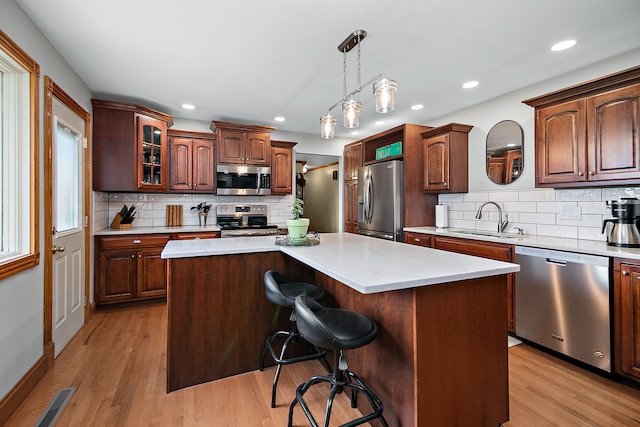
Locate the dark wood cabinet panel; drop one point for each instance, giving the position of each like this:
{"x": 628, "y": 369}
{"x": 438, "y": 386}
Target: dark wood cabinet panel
{"x": 352, "y": 160}
{"x": 351, "y": 207}
{"x": 484, "y": 249}
{"x": 446, "y": 159}
{"x": 613, "y": 123}
{"x": 129, "y": 148}
{"x": 626, "y": 311}
{"x": 282, "y": 167}
{"x": 587, "y": 135}
{"x": 243, "y": 144}
{"x": 117, "y": 271}
{"x": 192, "y": 162}
{"x": 418, "y": 239}
{"x": 152, "y": 274}
{"x": 196, "y": 235}
{"x": 129, "y": 268}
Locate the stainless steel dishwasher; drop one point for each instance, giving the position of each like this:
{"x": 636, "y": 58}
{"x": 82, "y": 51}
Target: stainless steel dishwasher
{"x": 563, "y": 303}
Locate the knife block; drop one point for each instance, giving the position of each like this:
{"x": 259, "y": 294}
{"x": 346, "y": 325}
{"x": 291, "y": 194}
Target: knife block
{"x": 115, "y": 224}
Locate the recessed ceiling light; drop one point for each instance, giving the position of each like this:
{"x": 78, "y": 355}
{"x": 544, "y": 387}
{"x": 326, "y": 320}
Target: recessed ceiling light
{"x": 563, "y": 45}
{"x": 469, "y": 85}
{"x": 279, "y": 119}
{"x": 355, "y": 132}
{"x": 417, "y": 107}
{"x": 188, "y": 106}
{"x": 379, "y": 122}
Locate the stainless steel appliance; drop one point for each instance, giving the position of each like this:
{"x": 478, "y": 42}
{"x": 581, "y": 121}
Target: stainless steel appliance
{"x": 380, "y": 200}
{"x": 563, "y": 303}
{"x": 244, "y": 220}
{"x": 624, "y": 226}
{"x": 243, "y": 180}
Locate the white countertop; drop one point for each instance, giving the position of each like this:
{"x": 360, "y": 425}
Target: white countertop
{"x": 592, "y": 247}
{"x": 365, "y": 264}
{"x": 156, "y": 230}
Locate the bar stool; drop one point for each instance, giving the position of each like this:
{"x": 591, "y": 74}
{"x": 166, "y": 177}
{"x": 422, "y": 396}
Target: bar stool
{"x": 282, "y": 292}
{"x": 339, "y": 330}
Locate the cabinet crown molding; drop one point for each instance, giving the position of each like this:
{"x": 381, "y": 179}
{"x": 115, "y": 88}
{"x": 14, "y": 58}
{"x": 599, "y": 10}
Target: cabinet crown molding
{"x": 240, "y": 127}
{"x": 591, "y": 87}
{"x": 451, "y": 127}
{"x": 134, "y": 108}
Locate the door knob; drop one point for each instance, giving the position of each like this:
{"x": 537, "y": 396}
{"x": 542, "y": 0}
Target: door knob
{"x": 57, "y": 249}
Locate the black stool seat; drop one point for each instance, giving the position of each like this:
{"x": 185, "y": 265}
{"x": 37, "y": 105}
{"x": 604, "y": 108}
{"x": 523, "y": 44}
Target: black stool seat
{"x": 284, "y": 293}
{"x": 339, "y": 330}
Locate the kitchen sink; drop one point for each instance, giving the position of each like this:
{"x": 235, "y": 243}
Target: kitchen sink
{"x": 486, "y": 233}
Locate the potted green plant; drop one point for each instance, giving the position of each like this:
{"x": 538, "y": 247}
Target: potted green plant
{"x": 203, "y": 211}
{"x": 297, "y": 227}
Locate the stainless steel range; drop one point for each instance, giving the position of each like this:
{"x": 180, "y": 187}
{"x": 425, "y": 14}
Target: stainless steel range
{"x": 244, "y": 220}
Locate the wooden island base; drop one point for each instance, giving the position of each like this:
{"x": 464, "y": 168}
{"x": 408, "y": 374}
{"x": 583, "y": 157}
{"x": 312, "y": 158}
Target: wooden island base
{"x": 440, "y": 357}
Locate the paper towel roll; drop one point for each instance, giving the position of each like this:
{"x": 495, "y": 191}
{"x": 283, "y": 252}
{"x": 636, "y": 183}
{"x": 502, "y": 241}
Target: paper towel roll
{"x": 442, "y": 216}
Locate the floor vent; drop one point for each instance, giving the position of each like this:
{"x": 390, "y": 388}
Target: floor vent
{"x": 53, "y": 411}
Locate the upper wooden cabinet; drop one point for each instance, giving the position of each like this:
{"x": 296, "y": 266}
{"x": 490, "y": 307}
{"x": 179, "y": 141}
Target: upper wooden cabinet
{"x": 191, "y": 162}
{"x": 243, "y": 144}
{"x": 352, "y": 160}
{"x": 281, "y": 167}
{"x": 446, "y": 159}
{"x": 587, "y": 135}
{"x": 129, "y": 147}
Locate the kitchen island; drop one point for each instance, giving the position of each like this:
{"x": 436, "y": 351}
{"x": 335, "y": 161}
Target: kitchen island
{"x": 440, "y": 357}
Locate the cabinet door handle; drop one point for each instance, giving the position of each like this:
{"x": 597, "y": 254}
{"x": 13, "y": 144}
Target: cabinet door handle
{"x": 580, "y": 173}
{"x": 591, "y": 173}
{"x": 415, "y": 239}
{"x": 625, "y": 273}
{"x": 133, "y": 255}
{"x": 137, "y": 242}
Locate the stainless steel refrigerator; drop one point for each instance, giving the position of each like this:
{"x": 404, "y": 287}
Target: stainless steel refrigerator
{"x": 380, "y": 200}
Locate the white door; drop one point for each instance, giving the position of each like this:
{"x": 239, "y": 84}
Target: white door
{"x": 67, "y": 214}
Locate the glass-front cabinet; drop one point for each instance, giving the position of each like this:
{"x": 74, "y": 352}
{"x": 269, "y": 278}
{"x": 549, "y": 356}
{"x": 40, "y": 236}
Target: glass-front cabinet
{"x": 152, "y": 148}
{"x": 130, "y": 148}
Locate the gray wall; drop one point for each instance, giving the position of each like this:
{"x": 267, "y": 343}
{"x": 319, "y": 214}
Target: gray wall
{"x": 22, "y": 295}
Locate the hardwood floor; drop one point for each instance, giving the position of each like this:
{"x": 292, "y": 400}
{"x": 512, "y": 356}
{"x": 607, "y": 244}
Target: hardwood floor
{"x": 118, "y": 363}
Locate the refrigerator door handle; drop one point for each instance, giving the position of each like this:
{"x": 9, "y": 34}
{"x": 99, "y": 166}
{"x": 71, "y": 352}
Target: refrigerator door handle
{"x": 369, "y": 199}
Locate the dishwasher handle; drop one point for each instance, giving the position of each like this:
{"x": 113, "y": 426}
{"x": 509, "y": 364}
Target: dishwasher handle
{"x": 559, "y": 262}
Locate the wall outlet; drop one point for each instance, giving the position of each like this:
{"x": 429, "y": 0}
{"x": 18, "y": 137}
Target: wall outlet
{"x": 571, "y": 212}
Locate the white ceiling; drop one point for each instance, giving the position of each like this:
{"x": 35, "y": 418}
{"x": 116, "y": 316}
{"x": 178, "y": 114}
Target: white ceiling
{"x": 251, "y": 60}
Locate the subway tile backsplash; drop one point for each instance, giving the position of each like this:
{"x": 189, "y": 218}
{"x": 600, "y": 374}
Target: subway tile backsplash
{"x": 151, "y": 207}
{"x": 570, "y": 213}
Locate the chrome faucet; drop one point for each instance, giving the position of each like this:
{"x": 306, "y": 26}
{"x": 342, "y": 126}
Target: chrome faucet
{"x": 501, "y": 224}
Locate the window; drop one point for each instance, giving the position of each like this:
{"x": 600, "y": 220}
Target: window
{"x": 19, "y": 193}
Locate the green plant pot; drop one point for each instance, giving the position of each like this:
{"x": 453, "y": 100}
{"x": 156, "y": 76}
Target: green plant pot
{"x": 297, "y": 228}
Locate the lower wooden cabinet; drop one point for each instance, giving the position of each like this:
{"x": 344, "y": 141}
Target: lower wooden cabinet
{"x": 626, "y": 321}
{"x": 480, "y": 248}
{"x": 129, "y": 268}
{"x": 196, "y": 235}
{"x": 418, "y": 239}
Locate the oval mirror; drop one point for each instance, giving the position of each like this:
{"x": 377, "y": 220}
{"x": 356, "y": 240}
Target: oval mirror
{"x": 504, "y": 152}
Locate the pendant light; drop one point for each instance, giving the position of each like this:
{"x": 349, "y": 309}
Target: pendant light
{"x": 327, "y": 126}
{"x": 384, "y": 90}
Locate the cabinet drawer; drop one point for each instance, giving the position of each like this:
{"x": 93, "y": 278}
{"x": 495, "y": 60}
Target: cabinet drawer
{"x": 192, "y": 236}
{"x": 133, "y": 241}
{"x": 483, "y": 249}
{"x": 418, "y": 239}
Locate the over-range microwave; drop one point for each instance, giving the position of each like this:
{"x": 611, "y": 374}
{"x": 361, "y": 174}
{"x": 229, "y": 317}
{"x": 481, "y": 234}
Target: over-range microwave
{"x": 243, "y": 180}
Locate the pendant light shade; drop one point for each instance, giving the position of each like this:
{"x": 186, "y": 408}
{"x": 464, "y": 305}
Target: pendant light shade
{"x": 327, "y": 126}
{"x": 351, "y": 110}
{"x": 384, "y": 90}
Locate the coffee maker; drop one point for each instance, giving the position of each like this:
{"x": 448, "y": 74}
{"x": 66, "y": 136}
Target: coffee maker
{"x": 624, "y": 231}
